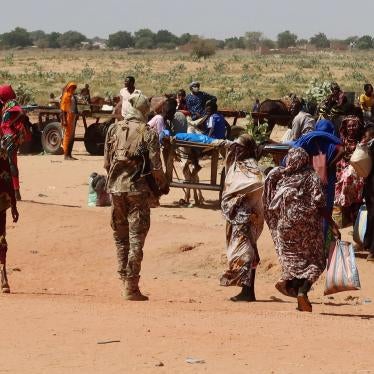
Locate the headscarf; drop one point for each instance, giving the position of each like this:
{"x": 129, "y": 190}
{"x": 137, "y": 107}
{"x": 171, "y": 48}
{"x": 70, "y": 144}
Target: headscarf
{"x": 7, "y": 93}
{"x": 10, "y": 107}
{"x": 243, "y": 183}
{"x": 65, "y": 104}
{"x": 286, "y": 184}
{"x": 297, "y": 159}
{"x": 325, "y": 125}
{"x": 350, "y": 141}
{"x": 321, "y": 140}
{"x": 139, "y": 108}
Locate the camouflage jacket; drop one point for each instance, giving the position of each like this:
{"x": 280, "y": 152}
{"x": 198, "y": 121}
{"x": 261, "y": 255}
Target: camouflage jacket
{"x": 125, "y": 145}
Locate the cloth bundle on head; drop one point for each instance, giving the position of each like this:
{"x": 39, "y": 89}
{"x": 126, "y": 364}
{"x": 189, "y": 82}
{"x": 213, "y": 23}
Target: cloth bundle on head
{"x": 244, "y": 147}
{"x": 65, "y": 104}
{"x": 246, "y": 140}
{"x": 139, "y": 108}
{"x": 8, "y": 100}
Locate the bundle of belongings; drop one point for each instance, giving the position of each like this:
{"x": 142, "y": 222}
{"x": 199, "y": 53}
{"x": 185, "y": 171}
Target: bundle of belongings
{"x": 97, "y": 195}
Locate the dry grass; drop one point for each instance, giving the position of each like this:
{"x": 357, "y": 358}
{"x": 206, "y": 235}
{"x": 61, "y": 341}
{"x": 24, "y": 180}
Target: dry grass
{"x": 236, "y": 77}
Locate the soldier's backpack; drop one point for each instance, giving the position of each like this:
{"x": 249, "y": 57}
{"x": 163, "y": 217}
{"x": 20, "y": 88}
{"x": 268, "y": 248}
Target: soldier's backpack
{"x": 127, "y": 140}
{"x": 129, "y": 144}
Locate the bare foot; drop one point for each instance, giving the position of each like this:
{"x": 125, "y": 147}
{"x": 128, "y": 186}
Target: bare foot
{"x": 303, "y": 303}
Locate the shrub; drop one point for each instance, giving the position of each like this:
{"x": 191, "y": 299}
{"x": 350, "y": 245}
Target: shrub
{"x": 25, "y": 95}
{"x": 286, "y": 39}
{"x": 320, "y": 41}
{"x": 317, "y": 91}
{"x": 202, "y": 48}
{"x": 19, "y": 37}
{"x": 120, "y": 39}
{"x": 71, "y": 39}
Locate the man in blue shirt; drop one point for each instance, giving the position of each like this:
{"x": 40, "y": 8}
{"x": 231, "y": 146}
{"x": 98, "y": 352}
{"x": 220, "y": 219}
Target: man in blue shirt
{"x": 197, "y": 100}
{"x": 216, "y": 125}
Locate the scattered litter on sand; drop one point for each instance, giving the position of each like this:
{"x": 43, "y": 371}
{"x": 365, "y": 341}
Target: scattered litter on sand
{"x": 189, "y": 247}
{"x": 191, "y": 360}
{"x": 108, "y": 341}
{"x": 351, "y": 298}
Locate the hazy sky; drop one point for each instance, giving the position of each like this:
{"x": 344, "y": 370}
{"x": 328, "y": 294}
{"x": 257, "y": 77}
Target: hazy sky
{"x": 209, "y": 18}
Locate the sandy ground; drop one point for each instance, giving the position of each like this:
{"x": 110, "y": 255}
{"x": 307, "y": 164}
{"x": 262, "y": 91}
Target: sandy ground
{"x": 66, "y": 298}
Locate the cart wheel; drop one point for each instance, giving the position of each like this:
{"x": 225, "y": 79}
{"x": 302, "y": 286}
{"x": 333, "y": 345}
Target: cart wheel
{"x": 94, "y": 138}
{"x": 52, "y": 138}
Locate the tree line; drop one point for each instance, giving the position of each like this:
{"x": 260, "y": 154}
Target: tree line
{"x": 147, "y": 39}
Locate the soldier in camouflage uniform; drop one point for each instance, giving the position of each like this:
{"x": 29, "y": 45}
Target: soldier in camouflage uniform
{"x": 126, "y": 145}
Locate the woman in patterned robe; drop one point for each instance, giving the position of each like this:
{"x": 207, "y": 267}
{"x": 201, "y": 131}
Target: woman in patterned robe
{"x": 13, "y": 129}
{"x": 243, "y": 210}
{"x": 7, "y": 200}
{"x": 295, "y": 205}
{"x": 349, "y": 186}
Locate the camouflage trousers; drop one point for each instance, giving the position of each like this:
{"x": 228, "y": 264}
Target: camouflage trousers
{"x": 130, "y": 223}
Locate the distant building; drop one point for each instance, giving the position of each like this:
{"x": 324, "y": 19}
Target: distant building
{"x": 99, "y": 45}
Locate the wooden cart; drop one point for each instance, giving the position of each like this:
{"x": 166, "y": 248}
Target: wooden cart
{"x": 208, "y": 151}
{"x": 96, "y": 124}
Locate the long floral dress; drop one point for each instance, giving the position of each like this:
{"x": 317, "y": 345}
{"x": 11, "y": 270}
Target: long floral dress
{"x": 349, "y": 186}
{"x": 292, "y": 199}
{"x": 243, "y": 210}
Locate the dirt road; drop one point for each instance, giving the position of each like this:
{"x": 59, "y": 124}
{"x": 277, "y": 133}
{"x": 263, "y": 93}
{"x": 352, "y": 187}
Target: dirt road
{"x": 66, "y": 296}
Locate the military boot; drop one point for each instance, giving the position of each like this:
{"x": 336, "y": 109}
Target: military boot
{"x": 4, "y": 279}
{"x": 132, "y": 291}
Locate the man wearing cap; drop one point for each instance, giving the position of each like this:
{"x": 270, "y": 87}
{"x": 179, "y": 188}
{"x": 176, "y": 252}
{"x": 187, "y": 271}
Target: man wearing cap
{"x": 196, "y": 100}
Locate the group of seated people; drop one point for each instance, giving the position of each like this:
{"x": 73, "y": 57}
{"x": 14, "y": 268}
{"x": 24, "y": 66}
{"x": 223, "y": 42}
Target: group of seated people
{"x": 195, "y": 113}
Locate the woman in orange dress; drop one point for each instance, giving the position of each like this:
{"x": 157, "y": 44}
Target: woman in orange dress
{"x": 69, "y": 115}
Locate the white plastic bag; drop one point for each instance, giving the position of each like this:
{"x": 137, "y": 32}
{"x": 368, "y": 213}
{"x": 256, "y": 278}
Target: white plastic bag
{"x": 342, "y": 272}
{"x": 361, "y": 160}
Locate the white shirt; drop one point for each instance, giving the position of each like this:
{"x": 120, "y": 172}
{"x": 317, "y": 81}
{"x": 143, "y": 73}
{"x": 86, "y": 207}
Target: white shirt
{"x": 125, "y": 94}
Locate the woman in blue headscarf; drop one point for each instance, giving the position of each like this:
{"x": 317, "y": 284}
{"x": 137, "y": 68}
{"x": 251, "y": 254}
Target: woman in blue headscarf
{"x": 323, "y": 140}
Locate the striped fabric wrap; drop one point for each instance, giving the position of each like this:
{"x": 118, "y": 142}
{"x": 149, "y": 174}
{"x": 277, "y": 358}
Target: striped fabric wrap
{"x": 342, "y": 273}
